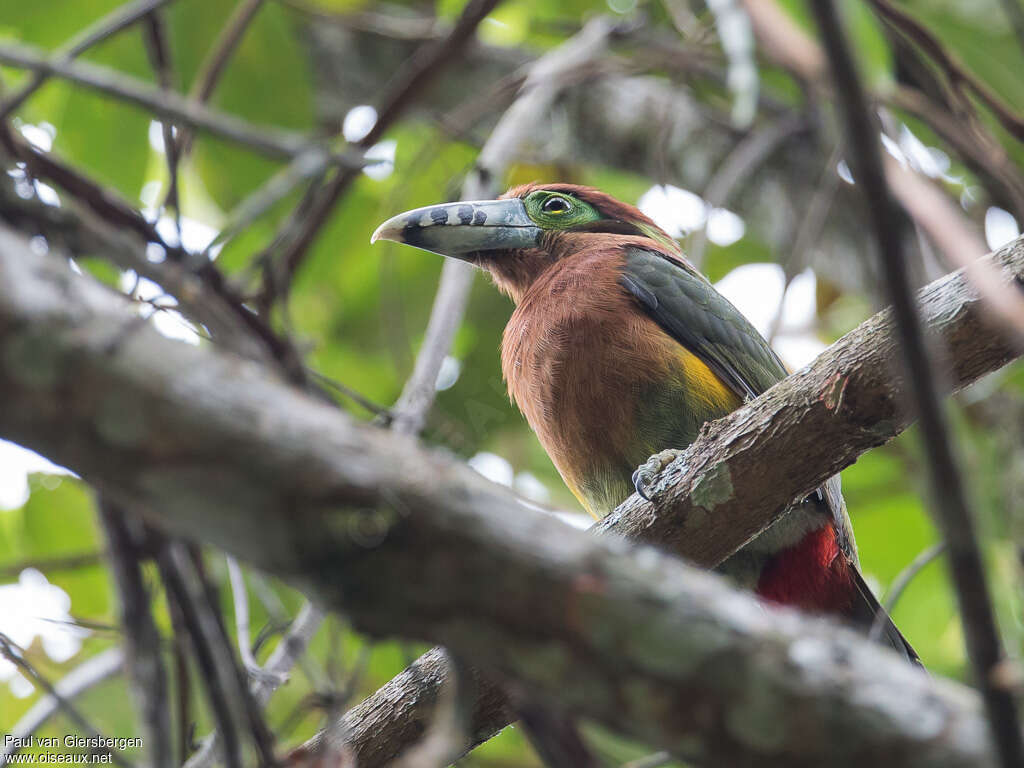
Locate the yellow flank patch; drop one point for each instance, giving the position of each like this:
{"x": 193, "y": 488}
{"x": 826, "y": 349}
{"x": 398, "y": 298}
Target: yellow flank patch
{"x": 703, "y": 383}
{"x": 580, "y": 498}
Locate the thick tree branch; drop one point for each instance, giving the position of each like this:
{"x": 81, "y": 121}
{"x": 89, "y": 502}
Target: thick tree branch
{"x": 848, "y": 399}
{"x": 407, "y": 542}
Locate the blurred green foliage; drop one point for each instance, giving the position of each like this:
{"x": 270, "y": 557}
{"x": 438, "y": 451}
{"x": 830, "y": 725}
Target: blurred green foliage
{"x": 362, "y": 312}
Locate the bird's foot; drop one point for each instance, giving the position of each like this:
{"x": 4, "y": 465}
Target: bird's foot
{"x": 648, "y": 472}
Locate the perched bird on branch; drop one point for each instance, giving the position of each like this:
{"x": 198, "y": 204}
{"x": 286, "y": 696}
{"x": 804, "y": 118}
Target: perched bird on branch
{"x": 618, "y": 351}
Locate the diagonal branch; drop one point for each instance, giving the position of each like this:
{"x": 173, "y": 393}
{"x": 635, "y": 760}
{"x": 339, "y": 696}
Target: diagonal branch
{"x": 90, "y": 673}
{"x": 217, "y": 60}
{"x": 544, "y": 82}
{"x": 714, "y": 500}
{"x": 142, "y": 638}
{"x": 408, "y": 542}
{"x": 118, "y": 19}
{"x": 407, "y": 85}
{"x": 948, "y": 494}
{"x": 268, "y": 140}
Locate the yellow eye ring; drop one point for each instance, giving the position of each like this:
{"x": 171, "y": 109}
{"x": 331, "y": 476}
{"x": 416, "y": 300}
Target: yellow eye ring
{"x": 555, "y": 205}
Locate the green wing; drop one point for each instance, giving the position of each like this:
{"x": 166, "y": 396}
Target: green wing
{"x": 691, "y": 311}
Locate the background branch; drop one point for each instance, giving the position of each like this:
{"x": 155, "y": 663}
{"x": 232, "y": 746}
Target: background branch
{"x": 544, "y": 82}
{"x": 270, "y": 141}
{"x": 948, "y": 495}
{"x": 712, "y": 500}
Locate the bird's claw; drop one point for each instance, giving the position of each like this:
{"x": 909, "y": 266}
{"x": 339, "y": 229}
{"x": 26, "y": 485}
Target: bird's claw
{"x": 647, "y": 473}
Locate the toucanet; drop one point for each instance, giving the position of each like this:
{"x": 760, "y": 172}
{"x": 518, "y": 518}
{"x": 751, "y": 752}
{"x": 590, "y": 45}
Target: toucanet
{"x": 618, "y": 351}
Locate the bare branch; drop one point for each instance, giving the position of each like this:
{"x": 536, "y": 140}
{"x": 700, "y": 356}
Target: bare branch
{"x": 267, "y": 140}
{"x": 10, "y": 651}
{"x": 713, "y": 500}
{"x": 543, "y": 84}
{"x": 240, "y": 596}
{"x": 408, "y": 542}
{"x": 443, "y": 739}
{"x": 273, "y": 674}
{"x": 961, "y": 244}
{"x": 118, "y": 19}
{"x": 85, "y": 676}
{"x": 408, "y": 84}
{"x": 288, "y": 651}
{"x": 942, "y": 221}
{"x": 142, "y": 638}
{"x": 958, "y": 75}
{"x": 216, "y": 61}
{"x": 900, "y": 584}
{"x": 948, "y": 496}
{"x": 226, "y": 684}
{"x": 655, "y": 760}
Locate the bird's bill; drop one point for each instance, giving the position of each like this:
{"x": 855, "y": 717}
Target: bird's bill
{"x": 459, "y": 229}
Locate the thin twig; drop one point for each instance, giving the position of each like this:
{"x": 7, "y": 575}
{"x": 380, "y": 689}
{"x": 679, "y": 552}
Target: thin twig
{"x": 357, "y": 397}
{"x": 50, "y": 564}
{"x": 303, "y": 167}
{"x": 183, "y": 589}
{"x": 240, "y": 597}
{"x": 948, "y": 495}
{"x": 10, "y": 651}
{"x": 749, "y": 155}
{"x": 182, "y": 678}
{"x": 214, "y": 64}
{"x": 972, "y": 141}
{"x": 271, "y": 141}
{"x": 103, "y": 201}
{"x": 961, "y": 245}
{"x": 955, "y": 71}
{"x": 90, "y": 673}
{"x": 275, "y": 672}
{"x": 900, "y": 584}
{"x": 426, "y": 63}
{"x": 289, "y": 650}
{"x": 543, "y": 84}
{"x": 203, "y": 291}
{"x": 115, "y": 21}
{"x": 158, "y": 49}
{"x": 141, "y": 636}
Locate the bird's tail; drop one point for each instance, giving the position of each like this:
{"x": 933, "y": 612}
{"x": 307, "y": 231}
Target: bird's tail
{"x": 866, "y": 612}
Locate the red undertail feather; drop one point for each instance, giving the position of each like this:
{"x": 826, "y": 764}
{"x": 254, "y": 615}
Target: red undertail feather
{"x": 813, "y": 575}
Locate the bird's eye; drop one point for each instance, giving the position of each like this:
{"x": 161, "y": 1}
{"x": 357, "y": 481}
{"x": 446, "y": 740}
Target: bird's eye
{"x": 555, "y": 205}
